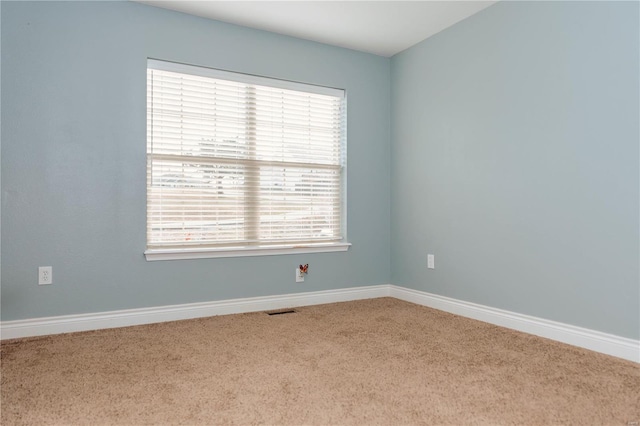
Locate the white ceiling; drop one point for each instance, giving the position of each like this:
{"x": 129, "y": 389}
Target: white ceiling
{"x": 380, "y": 27}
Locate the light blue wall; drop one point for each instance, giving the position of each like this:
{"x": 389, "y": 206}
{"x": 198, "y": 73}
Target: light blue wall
{"x": 73, "y": 158}
{"x": 515, "y": 161}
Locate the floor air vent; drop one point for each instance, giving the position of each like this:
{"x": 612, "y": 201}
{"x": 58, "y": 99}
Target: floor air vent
{"x": 286, "y": 311}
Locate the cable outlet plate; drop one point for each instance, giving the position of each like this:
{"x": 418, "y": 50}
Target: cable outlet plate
{"x": 45, "y": 275}
{"x": 299, "y": 276}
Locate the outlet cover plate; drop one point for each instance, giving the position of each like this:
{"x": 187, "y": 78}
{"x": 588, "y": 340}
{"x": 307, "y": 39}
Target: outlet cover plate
{"x": 45, "y": 275}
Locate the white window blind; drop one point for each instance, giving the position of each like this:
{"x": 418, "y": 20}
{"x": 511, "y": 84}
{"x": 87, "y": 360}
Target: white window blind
{"x": 241, "y": 161}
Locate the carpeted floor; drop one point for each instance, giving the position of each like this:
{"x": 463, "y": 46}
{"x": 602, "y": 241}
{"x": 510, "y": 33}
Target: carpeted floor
{"x": 380, "y": 361}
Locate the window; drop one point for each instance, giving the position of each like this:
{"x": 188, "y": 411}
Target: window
{"x": 242, "y": 165}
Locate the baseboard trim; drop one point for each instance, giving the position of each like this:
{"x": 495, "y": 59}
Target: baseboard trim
{"x": 597, "y": 341}
{"x": 124, "y": 318}
{"x": 589, "y": 339}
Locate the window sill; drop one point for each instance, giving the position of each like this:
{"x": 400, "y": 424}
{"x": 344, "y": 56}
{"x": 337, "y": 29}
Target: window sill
{"x": 208, "y": 253}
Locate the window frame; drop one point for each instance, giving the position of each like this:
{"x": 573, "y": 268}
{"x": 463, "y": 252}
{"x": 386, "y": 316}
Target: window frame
{"x": 196, "y": 252}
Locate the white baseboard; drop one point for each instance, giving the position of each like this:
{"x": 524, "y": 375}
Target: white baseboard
{"x": 597, "y": 341}
{"x": 129, "y": 317}
{"x": 589, "y": 339}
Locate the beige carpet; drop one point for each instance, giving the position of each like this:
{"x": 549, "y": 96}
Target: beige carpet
{"x": 380, "y": 361}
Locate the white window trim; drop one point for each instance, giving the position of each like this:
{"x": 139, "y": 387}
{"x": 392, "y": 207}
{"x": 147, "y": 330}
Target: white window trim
{"x": 224, "y": 252}
{"x": 209, "y": 253}
{"x": 243, "y": 78}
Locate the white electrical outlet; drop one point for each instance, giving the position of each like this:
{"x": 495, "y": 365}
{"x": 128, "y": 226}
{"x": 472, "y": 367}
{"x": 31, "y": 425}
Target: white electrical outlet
{"x": 299, "y": 276}
{"x": 431, "y": 261}
{"x": 45, "y": 275}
